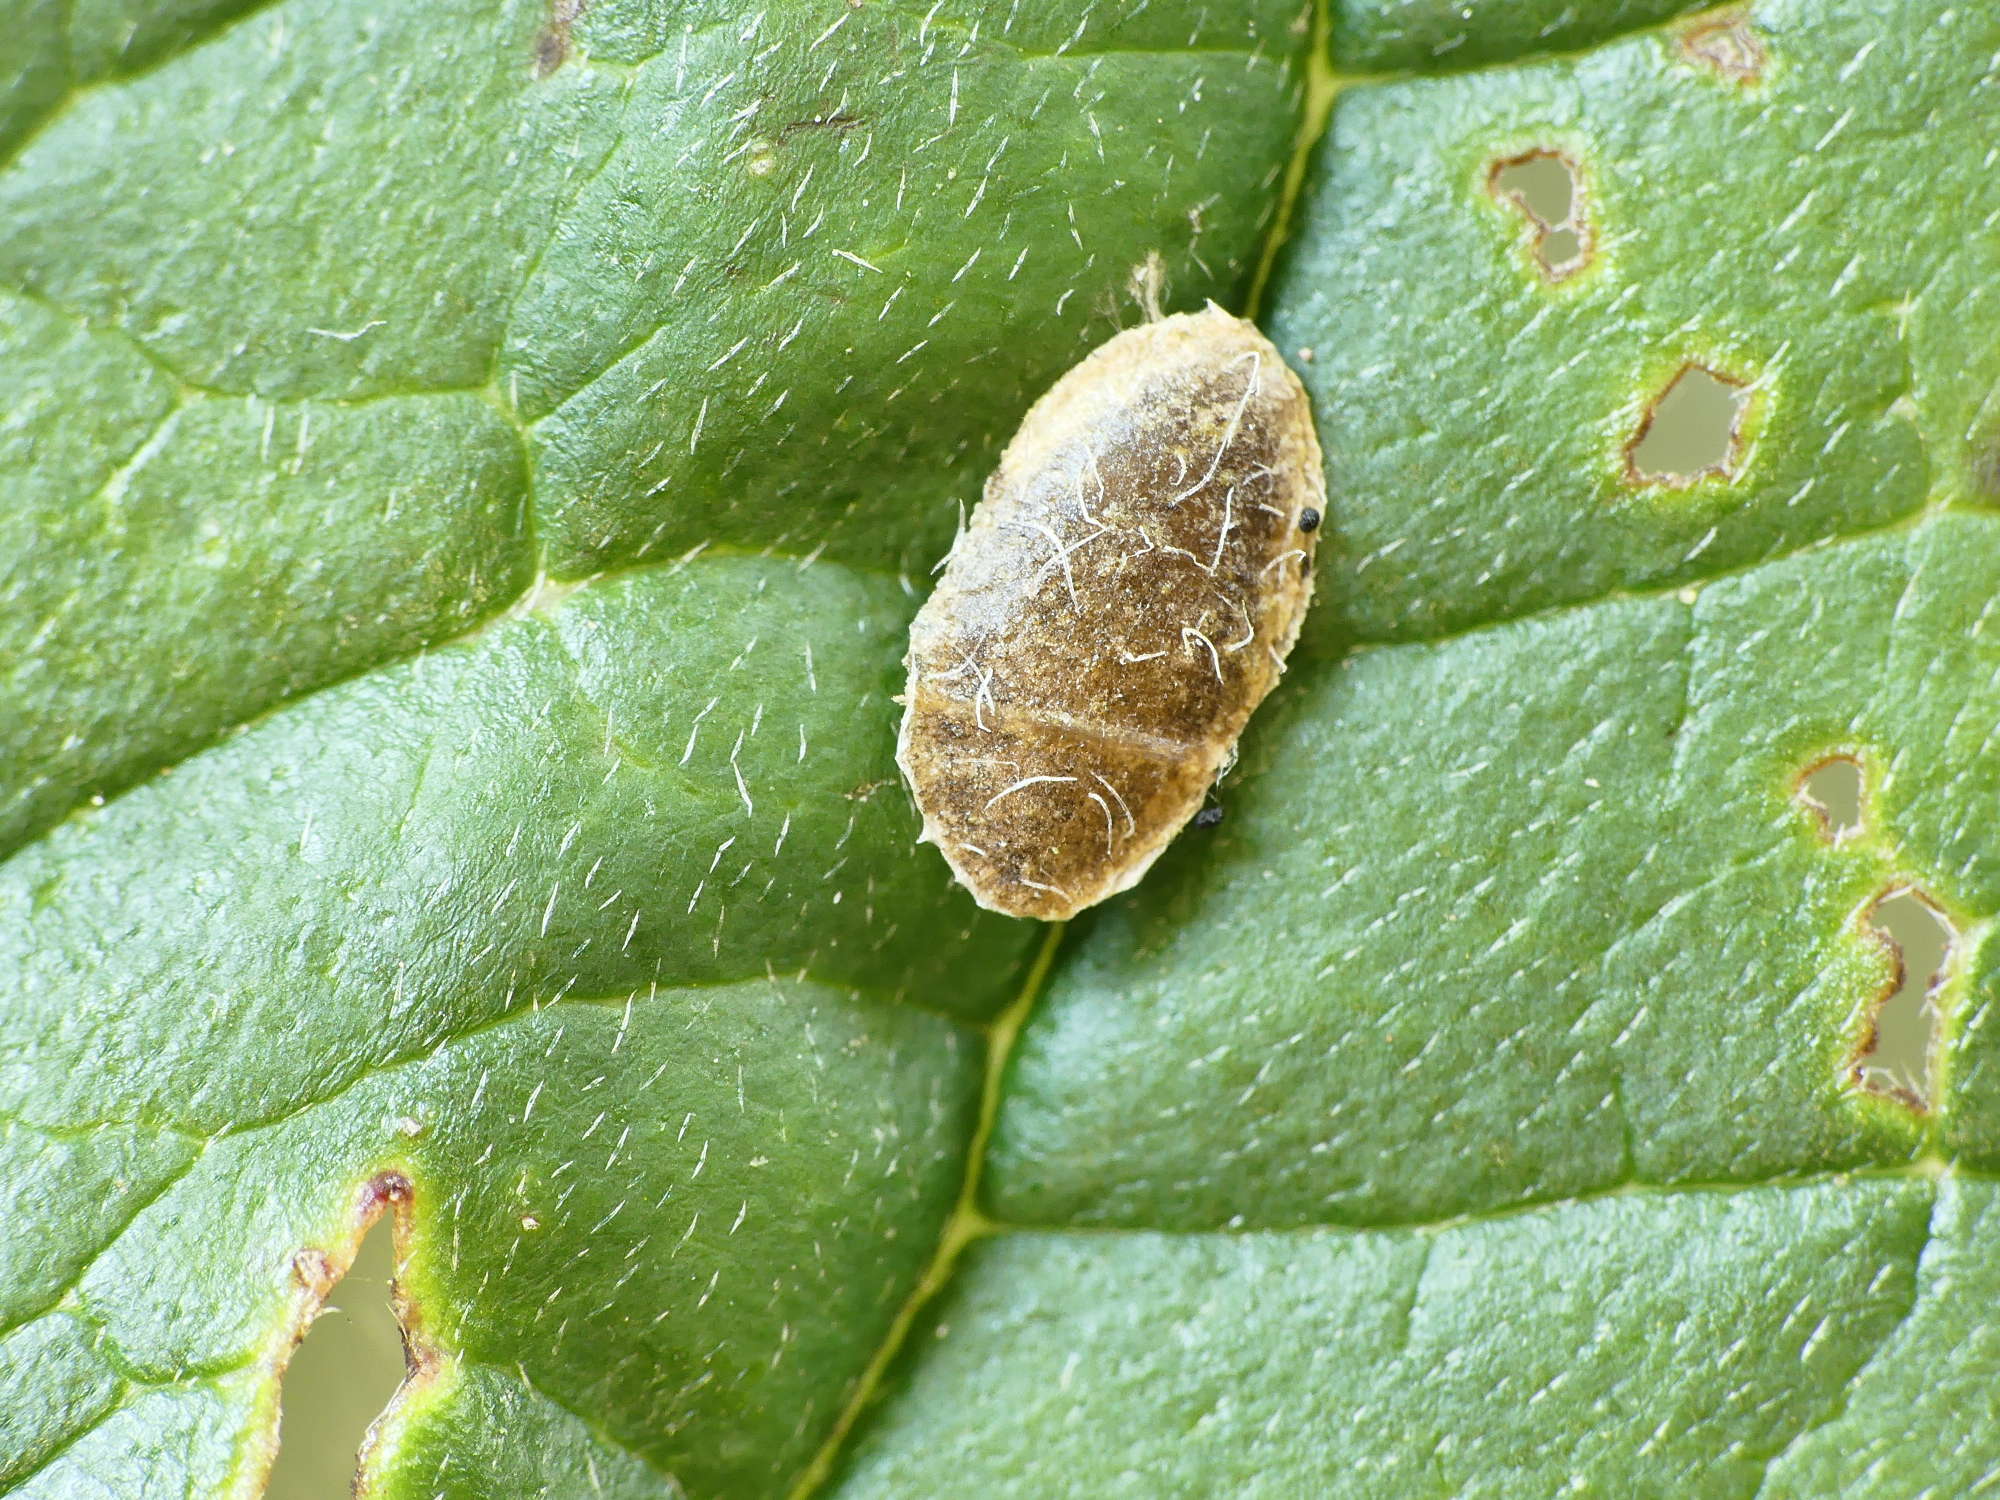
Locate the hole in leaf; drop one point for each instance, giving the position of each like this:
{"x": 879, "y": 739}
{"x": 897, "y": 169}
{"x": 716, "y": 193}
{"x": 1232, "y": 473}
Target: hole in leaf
{"x": 1832, "y": 791}
{"x": 1727, "y": 44}
{"x": 1562, "y": 248}
{"x": 1896, "y": 1057}
{"x": 1542, "y": 183}
{"x": 1694, "y": 428}
{"x": 1545, "y": 187}
{"x": 347, "y": 1368}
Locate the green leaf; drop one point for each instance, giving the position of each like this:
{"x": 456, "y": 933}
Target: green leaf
{"x": 468, "y": 473}
{"x": 1381, "y": 36}
{"x": 1398, "y": 1363}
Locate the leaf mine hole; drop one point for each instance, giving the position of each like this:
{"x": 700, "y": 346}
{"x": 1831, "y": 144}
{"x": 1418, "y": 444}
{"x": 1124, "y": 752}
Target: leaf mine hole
{"x": 1547, "y": 189}
{"x": 355, "y": 1355}
{"x": 1693, "y": 429}
{"x": 1728, "y": 45}
{"x": 1896, "y": 1059}
{"x": 1833, "y": 790}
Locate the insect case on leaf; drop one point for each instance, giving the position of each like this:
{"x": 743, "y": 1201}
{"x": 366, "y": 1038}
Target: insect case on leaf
{"x": 1123, "y": 597}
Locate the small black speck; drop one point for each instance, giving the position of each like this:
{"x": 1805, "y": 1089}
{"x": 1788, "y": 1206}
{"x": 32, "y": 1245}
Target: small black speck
{"x": 1208, "y": 817}
{"x": 1309, "y": 519}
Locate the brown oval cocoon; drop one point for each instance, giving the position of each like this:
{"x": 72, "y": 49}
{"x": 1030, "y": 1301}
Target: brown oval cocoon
{"x": 1123, "y": 597}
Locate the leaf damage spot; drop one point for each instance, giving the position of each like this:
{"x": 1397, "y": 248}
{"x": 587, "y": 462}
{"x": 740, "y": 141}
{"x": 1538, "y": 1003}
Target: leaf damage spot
{"x": 322, "y": 1365}
{"x": 834, "y": 120}
{"x": 552, "y": 42}
{"x": 1986, "y": 469}
{"x": 1546, "y": 188}
{"x": 1896, "y": 1058}
{"x": 1833, "y": 790}
{"x": 1147, "y": 284}
{"x": 1692, "y": 430}
{"x": 759, "y": 154}
{"x": 1727, "y": 44}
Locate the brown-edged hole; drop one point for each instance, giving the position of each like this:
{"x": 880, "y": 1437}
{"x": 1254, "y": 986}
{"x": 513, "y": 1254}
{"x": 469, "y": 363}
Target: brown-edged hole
{"x": 1833, "y": 791}
{"x": 1544, "y": 187}
{"x": 1897, "y": 1059}
{"x": 341, "y": 1377}
{"x": 1693, "y": 429}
